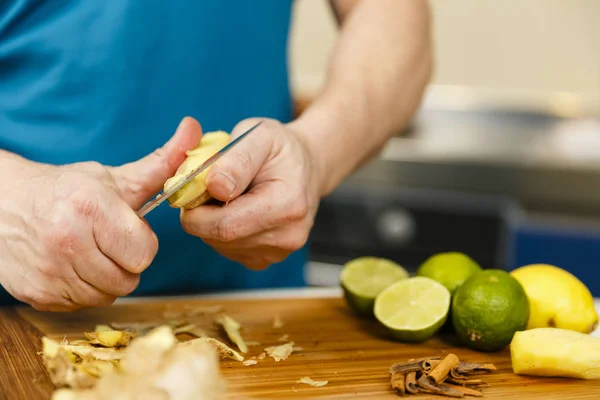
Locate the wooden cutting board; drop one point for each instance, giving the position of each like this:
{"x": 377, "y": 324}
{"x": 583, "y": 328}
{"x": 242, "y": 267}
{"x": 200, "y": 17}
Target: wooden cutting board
{"x": 353, "y": 354}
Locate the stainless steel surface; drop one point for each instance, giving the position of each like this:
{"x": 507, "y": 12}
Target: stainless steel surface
{"x": 547, "y": 163}
{"x": 152, "y": 204}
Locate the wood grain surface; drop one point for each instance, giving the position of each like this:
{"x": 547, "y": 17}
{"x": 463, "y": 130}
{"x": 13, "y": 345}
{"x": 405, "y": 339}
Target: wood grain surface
{"x": 22, "y": 374}
{"x": 352, "y": 353}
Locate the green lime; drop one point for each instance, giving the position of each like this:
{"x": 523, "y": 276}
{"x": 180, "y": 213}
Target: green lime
{"x": 450, "y": 269}
{"x": 362, "y": 279}
{"x": 413, "y": 309}
{"x": 488, "y": 309}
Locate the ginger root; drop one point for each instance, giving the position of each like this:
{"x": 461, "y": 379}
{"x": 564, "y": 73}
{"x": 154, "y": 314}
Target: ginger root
{"x": 109, "y": 338}
{"x": 555, "y": 352}
{"x": 280, "y": 352}
{"x": 194, "y": 193}
{"x": 156, "y": 366}
{"x": 232, "y": 329}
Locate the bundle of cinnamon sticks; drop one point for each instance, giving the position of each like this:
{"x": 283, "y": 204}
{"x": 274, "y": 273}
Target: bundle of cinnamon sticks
{"x": 432, "y": 375}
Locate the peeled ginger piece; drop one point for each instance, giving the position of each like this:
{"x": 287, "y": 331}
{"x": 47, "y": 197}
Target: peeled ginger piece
{"x": 556, "y": 353}
{"x": 109, "y": 338}
{"x": 194, "y": 193}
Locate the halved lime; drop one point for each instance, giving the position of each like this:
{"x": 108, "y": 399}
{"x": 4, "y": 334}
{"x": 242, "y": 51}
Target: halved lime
{"x": 413, "y": 309}
{"x": 450, "y": 269}
{"x": 363, "y": 278}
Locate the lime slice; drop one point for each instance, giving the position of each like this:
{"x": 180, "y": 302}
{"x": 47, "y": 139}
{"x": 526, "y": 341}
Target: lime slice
{"x": 362, "y": 279}
{"x": 413, "y": 309}
{"x": 451, "y": 269}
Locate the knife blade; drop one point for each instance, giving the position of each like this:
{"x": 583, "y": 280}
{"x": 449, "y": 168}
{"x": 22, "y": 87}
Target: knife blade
{"x": 152, "y": 204}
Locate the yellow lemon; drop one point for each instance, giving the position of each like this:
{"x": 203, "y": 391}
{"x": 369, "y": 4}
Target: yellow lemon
{"x": 556, "y": 298}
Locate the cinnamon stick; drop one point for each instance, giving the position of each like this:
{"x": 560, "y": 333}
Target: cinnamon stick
{"x": 428, "y": 365}
{"x": 406, "y": 367}
{"x": 428, "y": 384}
{"x": 441, "y": 370}
{"x": 398, "y": 382}
{"x": 411, "y": 383}
{"x": 465, "y": 390}
{"x": 411, "y": 364}
{"x": 469, "y": 367}
{"x": 432, "y": 375}
{"x": 454, "y": 374}
{"x": 465, "y": 382}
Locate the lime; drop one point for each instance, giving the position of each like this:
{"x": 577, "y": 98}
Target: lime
{"x": 362, "y": 279}
{"x": 488, "y": 309}
{"x": 450, "y": 269}
{"x": 413, "y": 309}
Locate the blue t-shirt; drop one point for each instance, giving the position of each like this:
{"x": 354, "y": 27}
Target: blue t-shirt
{"x": 110, "y": 81}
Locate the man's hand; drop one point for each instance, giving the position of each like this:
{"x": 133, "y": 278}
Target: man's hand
{"x": 69, "y": 235}
{"x": 272, "y": 190}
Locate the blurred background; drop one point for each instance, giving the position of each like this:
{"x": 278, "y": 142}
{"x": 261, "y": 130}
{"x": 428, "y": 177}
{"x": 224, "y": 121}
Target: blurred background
{"x": 502, "y": 161}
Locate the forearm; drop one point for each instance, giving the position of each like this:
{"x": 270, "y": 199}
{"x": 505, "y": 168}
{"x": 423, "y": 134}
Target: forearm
{"x": 377, "y": 75}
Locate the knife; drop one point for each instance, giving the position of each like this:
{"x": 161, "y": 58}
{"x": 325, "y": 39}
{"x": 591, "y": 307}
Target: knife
{"x": 152, "y": 204}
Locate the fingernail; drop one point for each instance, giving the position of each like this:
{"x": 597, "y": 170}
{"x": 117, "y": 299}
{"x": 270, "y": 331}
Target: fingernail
{"x": 228, "y": 183}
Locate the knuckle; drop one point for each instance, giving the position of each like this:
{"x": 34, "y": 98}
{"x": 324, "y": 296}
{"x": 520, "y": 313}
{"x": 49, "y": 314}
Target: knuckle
{"x": 100, "y": 300}
{"x": 295, "y": 241}
{"x": 120, "y": 281}
{"x": 267, "y": 122}
{"x": 84, "y": 201}
{"x": 299, "y": 208}
{"x": 49, "y": 269}
{"x": 98, "y": 171}
{"x": 236, "y": 167}
{"x": 64, "y": 241}
{"x": 242, "y": 160}
{"x": 224, "y": 231}
{"x": 96, "y": 168}
{"x": 39, "y": 299}
{"x": 127, "y": 286}
{"x": 60, "y": 237}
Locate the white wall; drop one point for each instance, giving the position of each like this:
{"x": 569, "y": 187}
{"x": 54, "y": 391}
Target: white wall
{"x": 527, "y": 45}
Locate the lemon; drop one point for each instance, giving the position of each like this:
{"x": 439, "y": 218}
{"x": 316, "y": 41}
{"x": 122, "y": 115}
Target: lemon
{"x": 450, "y": 269}
{"x": 488, "y": 309}
{"x": 413, "y": 309}
{"x": 363, "y": 278}
{"x": 557, "y": 298}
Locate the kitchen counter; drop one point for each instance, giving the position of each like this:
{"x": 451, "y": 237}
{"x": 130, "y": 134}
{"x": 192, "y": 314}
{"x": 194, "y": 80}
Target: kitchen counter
{"x": 353, "y": 354}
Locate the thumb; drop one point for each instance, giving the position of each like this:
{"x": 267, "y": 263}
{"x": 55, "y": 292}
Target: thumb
{"x": 139, "y": 180}
{"x": 229, "y": 177}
